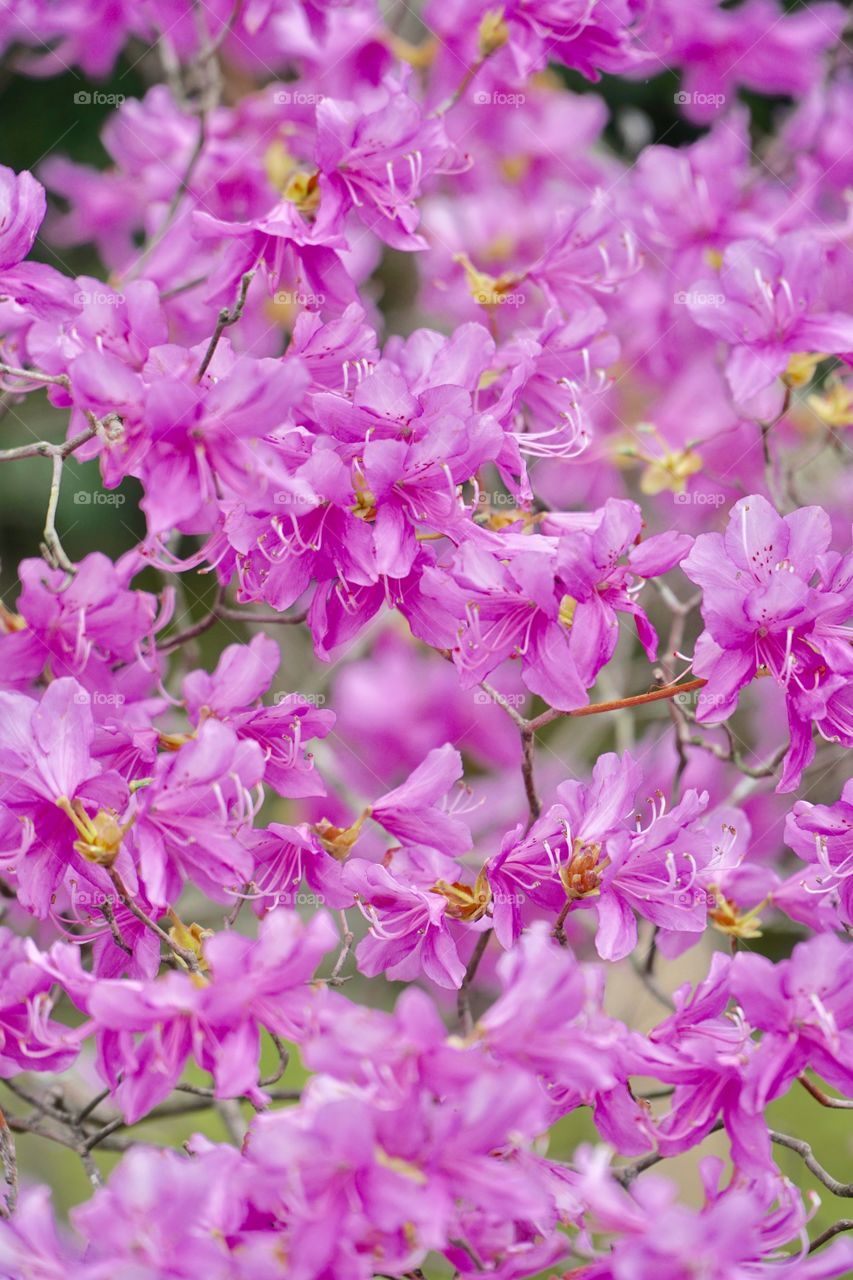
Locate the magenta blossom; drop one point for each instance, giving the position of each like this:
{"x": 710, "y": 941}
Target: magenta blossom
{"x": 22, "y": 206}
{"x": 768, "y": 305}
{"x": 777, "y": 603}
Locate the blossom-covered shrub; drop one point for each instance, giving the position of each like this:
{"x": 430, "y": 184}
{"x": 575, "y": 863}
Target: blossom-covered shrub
{"x": 459, "y": 752}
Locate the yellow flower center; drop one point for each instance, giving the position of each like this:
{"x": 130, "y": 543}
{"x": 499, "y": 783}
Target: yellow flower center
{"x": 465, "y": 901}
{"x": 581, "y": 875}
{"x": 100, "y": 837}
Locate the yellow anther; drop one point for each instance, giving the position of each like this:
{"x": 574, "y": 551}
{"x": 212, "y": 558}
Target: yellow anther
{"x": 801, "y": 367}
{"x": 189, "y": 937}
{"x": 404, "y": 1167}
{"x": 465, "y": 901}
{"x": 417, "y": 55}
{"x": 10, "y": 621}
{"x": 581, "y": 875}
{"x": 174, "y": 741}
{"x": 835, "y": 406}
{"x": 728, "y": 918}
{"x": 493, "y": 33}
{"x": 365, "y": 501}
{"x": 100, "y": 837}
{"x": 303, "y": 190}
{"x": 487, "y": 290}
{"x": 338, "y": 841}
{"x": 566, "y": 615}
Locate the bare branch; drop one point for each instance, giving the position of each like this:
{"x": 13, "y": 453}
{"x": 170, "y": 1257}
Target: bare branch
{"x": 227, "y": 316}
{"x": 9, "y": 1162}
{"x": 804, "y": 1151}
{"x": 463, "y": 1001}
{"x": 618, "y": 704}
{"x": 843, "y": 1224}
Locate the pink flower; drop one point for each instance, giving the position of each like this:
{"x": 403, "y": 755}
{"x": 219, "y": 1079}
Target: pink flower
{"x": 803, "y": 1007}
{"x": 22, "y": 207}
{"x": 775, "y": 602}
{"x": 30, "y": 1040}
{"x": 188, "y": 822}
{"x": 408, "y": 931}
{"x": 146, "y": 1031}
{"x": 768, "y": 304}
{"x": 242, "y": 675}
{"x": 590, "y": 850}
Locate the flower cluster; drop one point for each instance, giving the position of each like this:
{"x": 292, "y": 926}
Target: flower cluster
{"x": 487, "y": 630}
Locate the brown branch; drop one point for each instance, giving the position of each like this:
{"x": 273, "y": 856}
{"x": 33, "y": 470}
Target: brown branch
{"x": 804, "y": 1151}
{"x": 842, "y": 1104}
{"x": 227, "y": 316}
{"x": 9, "y": 1162}
{"x": 463, "y": 1000}
{"x": 534, "y": 804}
{"x": 187, "y": 957}
{"x": 618, "y": 704}
{"x": 843, "y": 1224}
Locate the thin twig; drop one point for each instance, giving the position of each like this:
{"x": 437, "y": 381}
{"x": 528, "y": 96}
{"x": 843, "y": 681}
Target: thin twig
{"x": 227, "y": 316}
{"x": 499, "y": 699}
{"x": 463, "y": 1001}
{"x": 347, "y": 938}
{"x": 804, "y": 1151}
{"x": 187, "y": 957}
{"x": 841, "y": 1104}
{"x": 534, "y": 804}
{"x": 9, "y": 1162}
{"x": 617, "y": 704}
{"x": 843, "y": 1224}
{"x": 629, "y": 1172}
{"x": 33, "y": 375}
